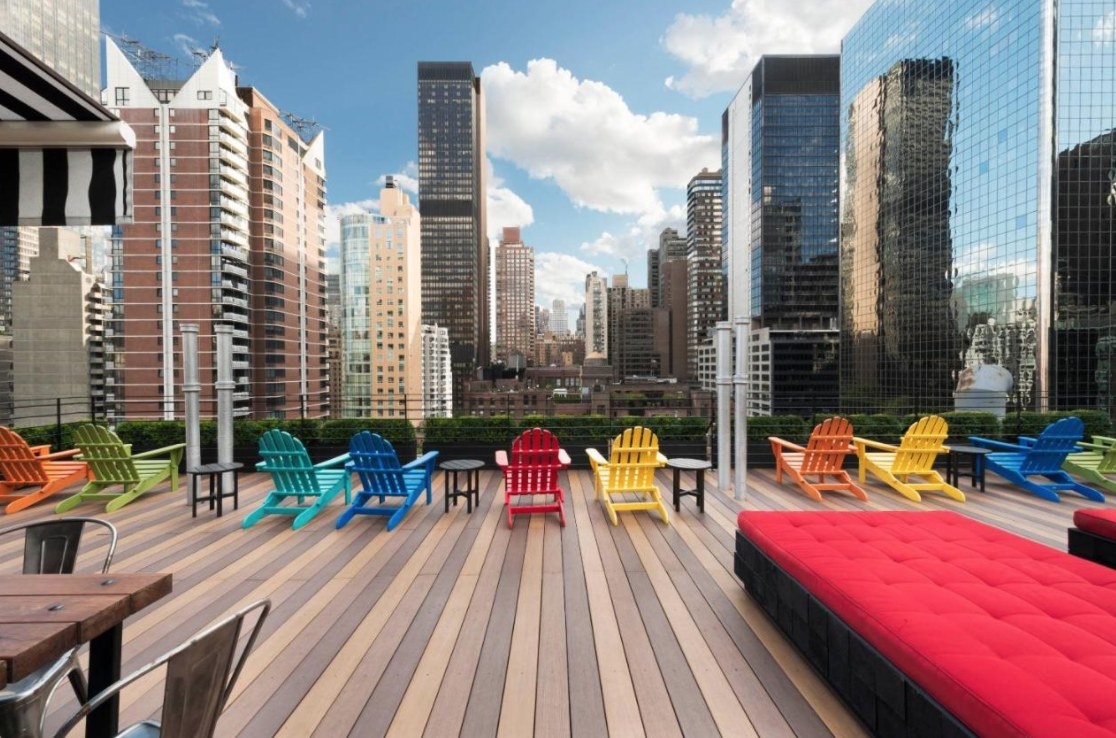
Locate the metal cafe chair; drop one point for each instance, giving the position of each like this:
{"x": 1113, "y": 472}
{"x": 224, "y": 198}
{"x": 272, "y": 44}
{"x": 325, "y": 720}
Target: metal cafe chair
{"x": 200, "y": 676}
{"x": 49, "y": 547}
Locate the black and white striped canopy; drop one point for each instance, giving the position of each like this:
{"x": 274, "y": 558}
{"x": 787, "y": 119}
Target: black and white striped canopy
{"x": 64, "y": 158}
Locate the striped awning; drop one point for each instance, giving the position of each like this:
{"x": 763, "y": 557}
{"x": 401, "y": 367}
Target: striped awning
{"x": 64, "y": 158}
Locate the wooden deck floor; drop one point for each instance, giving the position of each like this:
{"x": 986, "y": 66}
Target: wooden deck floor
{"x": 455, "y": 625}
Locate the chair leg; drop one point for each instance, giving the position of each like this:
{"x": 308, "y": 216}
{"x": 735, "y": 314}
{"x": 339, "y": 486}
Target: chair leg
{"x": 77, "y": 681}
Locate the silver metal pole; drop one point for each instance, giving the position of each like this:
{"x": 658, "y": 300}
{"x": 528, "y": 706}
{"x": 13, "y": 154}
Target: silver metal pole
{"x": 724, "y": 389}
{"x": 225, "y": 386}
{"x": 192, "y": 391}
{"x": 740, "y": 382}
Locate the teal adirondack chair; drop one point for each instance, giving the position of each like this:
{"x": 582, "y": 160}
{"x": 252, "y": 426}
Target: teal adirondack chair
{"x": 312, "y": 486}
{"x": 1039, "y": 457}
{"x": 375, "y": 462}
{"x": 112, "y": 464}
{"x": 1095, "y": 463}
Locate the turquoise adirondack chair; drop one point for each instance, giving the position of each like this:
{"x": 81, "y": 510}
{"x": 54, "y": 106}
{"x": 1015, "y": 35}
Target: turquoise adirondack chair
{"x": 375, "y": 462}
{"x": 312, "y": 486}
{"x": 1096, "y": 464}
{"x": 112, "y": 464}
{"x": 1039, "y": 457}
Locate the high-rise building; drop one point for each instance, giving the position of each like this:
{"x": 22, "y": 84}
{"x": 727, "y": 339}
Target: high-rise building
{"x": 66, "y": 34}
{"x": 559, "y": 317}
{"x": 229, "y": 229}
{"x": 381, "y": 331}
{"x": 671, "y": 288}
{"x": 595, "y": 322}
{"x": 515, "y": 301}
{"x": 437, "y": 373}
{"x": 455, "y": 266}
{"x": 783, "y": 233}
{"x": 971, "y": 188}
{"x": 622, "y": 298}
{"x": 705, "y": 293}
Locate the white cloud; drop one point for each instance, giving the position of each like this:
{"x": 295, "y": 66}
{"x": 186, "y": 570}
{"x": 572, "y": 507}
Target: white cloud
{"x": 561, "y": 276}
{"x": 1104, "y": 32}
{"x": 721, "y": 51}
{"x": 200, "y": 13}
{"x": 582, "y": 135}
{"x": 505, "y": 207}
{"x": 628, "y": 250}
{"x": 188, "y": 45}
{"x": 406, "y": 179}
{"x": 301, "y": 8}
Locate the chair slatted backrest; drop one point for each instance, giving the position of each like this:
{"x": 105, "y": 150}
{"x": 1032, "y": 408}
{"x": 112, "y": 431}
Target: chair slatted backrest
{"x": 110, "y": 461}
{"x": 921, "y": 445}
{"x": 633, "y": 459}
{"x": 1107, "y": 463}
{"x": 1056, "y": 441}
{"x": 288, "y": 462}
{"x": 375, "y": 461}
{"x": 828, "y": 446}
{"x": 534, "y": 462}
{"x": 18, "y": 464}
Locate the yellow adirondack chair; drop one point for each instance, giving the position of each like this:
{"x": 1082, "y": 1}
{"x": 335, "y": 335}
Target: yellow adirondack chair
{"x": 23, "y": 466}
{"x": 823, "y": 458}
{"x": 629, "y": 472}
{"x": 913, "y": 457}
{"x": 112, "y": 464}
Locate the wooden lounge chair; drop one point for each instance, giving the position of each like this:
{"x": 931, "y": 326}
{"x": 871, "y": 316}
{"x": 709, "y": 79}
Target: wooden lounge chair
{"x": 112, "y": 464}
{"x": 1039, "y": 457}
{"x": 629, "y": 472}
{"x": 532, "y": 471}
{"x": 375, "y": 462}
{"x": 822, "y": 458}
{"x": 913, "y": 457}
{"x": 23, "y": 466}
{"x": 1096, "y": 463}
{"x": 313, "y": 486}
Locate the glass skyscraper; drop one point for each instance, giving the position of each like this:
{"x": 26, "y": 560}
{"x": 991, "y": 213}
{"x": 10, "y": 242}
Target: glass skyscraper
{"x": 455, "y": 282}
{"x": 977, "y": 201}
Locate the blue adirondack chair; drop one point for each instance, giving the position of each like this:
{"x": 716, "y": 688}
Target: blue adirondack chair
{"x": 1039, "y": 457}
{"x": 311, "y": 485}
{"x": 375, "y": 462}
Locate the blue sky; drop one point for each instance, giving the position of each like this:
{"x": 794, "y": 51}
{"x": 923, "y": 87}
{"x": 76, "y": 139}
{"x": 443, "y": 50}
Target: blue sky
{"x": 599, "y": 111}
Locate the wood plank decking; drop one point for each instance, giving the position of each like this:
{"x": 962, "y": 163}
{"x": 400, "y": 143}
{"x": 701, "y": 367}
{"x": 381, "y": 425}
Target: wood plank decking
{"x": 455, "y": 625}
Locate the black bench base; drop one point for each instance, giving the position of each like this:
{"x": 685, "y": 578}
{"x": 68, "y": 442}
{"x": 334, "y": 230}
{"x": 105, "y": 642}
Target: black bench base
{"x": 885, "y": 699}
{"x": 1092, "y": 547}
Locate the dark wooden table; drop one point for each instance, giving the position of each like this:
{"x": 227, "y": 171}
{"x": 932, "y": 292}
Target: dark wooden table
{"x": 471, "y": 490}
{"x": 974, "y": 455}
{"x": 698, "y": 467}
{"x": 216, "y": 491}
{"x": 44, "y": 615}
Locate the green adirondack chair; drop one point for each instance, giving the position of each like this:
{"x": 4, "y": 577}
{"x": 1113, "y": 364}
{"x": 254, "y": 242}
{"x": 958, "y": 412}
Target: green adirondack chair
{"x": 112, "y": 464}
{"x": 1096, "y": 463}
{"x": 311, "y": 486}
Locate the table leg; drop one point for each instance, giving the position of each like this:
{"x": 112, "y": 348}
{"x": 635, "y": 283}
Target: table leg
{"x": 104, "y": 670}
{"x": 676, "y": 489}
{"x": 446, "y": 495}
{"x": 700, "y": 483}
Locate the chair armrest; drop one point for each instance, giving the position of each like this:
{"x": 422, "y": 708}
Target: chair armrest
{"x": 1028, "y": 441}
{"x": 993, "y": 444}
{"x": 1104, "y": 440}
{"x": 863, "y": 443}
{"x": 1093, "y": 446}
{"x": 41, "y": 449}
{"x": 595, "y": 457}
{"x": 785, "y": 444}
{"x": 335, "y": 461}
{"x": 261, "y": 465}
{"x": 427, "y": 459}
{"x": 564, "y": 458}
{"x": 160, "y": 451}
{"x": 501, "y": 458}
{"x": 661, "y": 459}
{"x": 68, "y": 454}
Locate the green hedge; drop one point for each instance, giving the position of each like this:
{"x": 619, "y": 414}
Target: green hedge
{"x": 788, "y": 427}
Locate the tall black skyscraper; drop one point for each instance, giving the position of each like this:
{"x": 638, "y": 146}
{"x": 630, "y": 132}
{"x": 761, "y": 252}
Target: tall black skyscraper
{"x": 455, "y": 283}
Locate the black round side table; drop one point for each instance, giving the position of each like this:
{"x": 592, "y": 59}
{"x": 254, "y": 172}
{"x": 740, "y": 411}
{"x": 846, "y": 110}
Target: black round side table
{"x": 471, "y": 490}
{"x": 698, "y": 466}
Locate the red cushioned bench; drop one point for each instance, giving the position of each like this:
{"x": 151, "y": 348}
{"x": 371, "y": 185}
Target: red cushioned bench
{"x": 1094, "y": 536}
{"x": 931, "y": 623}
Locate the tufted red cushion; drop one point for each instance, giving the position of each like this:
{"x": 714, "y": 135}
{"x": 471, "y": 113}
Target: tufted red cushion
{"x": 1099, "y": 522}
{"x": 1010, "y": 636}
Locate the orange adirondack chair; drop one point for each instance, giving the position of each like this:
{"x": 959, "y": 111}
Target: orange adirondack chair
{"x": 532, "y": 471}
{"x": 24, "y": 466}
{"x": 822, "y": 458}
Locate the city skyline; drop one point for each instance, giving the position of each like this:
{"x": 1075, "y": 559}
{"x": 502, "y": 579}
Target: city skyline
{"x": 652, "y": 94}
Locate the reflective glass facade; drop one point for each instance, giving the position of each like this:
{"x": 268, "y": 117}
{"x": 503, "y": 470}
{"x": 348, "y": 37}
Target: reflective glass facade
{"x": 976, "y": 201}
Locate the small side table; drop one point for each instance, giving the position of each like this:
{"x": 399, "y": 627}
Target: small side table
{"x": 975, "y": 457}
{"x": 217, "y": 491}
{"x": 698, "y": 466}
{"x": 471, "y": 490}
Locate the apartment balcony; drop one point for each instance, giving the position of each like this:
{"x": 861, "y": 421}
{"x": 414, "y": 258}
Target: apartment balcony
{"x": 233, "y": 284}
{"x": 232, "y": 125}
{"x": 231, "y": 315}
{"x": 232, "y": 190}
{"x": 231, "y": 220}
{"x": 242, "y": 365}
{"x": 236, "y": 175}
{"x": 237, "y": 144}
{"x": 230, "y": 156}
{"x": 234, "y": 301}
{"x": 227, "y": 267}
{"x": 235, "y": 252}
{"x": 235, "y": 205}
{"x": 236, "y": 237}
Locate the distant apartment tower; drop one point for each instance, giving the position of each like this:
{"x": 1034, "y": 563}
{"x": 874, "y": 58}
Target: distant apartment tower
{"x": 783, "y": 229}
{"x": 437, "y": 373}
{"x": 228, "y": 229}
{"x": 515, "y": 301}
{"x": 621, "y": 299}
{"x": 596, "y": 317}
{"x": 705, "y": 293}
{"x": 671, "y": 290}
{"x": 559, "y": 317}
{"x": 333, "y": 337}
{"x": 381, "y": 330}
{"x": 452, "y": 200}
{"x": 542, "y": 320}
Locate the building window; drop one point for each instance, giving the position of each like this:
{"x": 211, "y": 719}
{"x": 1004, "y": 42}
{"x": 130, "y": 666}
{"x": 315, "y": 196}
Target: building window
{"x": 121, "y": 97}
{"x": 205, "y": 94}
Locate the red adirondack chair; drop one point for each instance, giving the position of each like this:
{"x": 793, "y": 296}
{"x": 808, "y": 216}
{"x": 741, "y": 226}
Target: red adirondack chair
{"x": 23, "y": 466}
{"x": 532, "y": 473}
